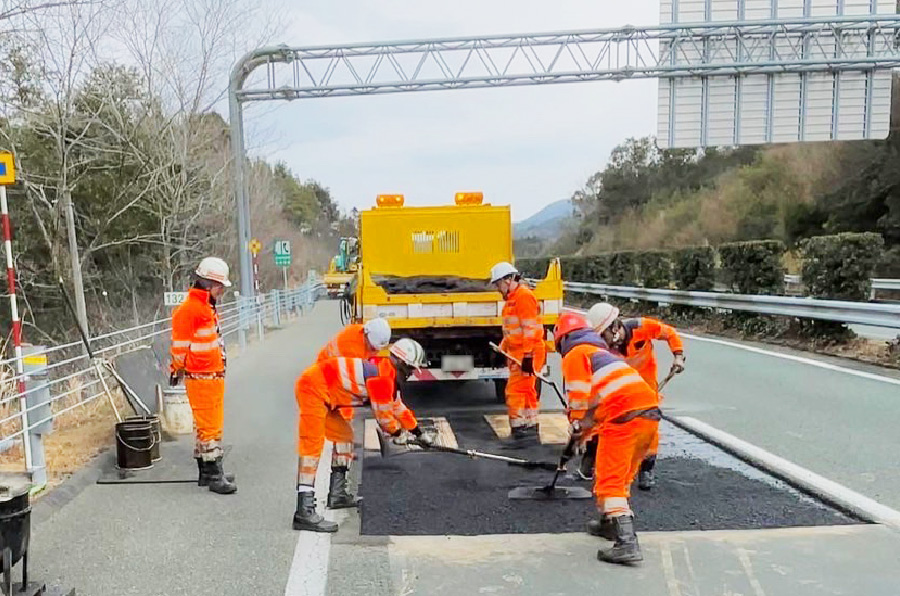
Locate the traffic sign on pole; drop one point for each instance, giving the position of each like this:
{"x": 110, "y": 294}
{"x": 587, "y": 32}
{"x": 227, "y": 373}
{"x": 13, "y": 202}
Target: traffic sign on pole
{"x": 7, "y": 168}
{"x": 282, "y": 253}
{"x": 255, "y": 247}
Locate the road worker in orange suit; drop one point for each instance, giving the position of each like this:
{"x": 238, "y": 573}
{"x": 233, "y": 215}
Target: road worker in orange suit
{"x": 353, "y": 341}
{"x": 198, "y": 356}
{"x": 321, "y": 391}
{"x": 523, "y": 339}
{"x": 633, "y": 339}
{"x": 604, "y": 392}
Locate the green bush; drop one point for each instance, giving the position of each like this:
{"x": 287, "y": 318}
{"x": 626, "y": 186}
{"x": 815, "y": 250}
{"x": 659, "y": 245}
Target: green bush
{"x": 535, "y": 268}
{"x": 694, "y": 268}
{"x": 654, "y": 268}
{"x": 841, "y": 267}
{"x": 753, "y": 267}
{"x": 597, "y": 268}
{"x": 622, "y": 269}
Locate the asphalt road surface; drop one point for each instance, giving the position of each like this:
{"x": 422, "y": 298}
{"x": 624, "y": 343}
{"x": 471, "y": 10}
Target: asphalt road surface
{"x": 179, "y": 539}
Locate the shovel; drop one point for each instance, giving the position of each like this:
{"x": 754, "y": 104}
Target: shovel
{"x": 551, "y": 492}
{"x": 541, "y": 377}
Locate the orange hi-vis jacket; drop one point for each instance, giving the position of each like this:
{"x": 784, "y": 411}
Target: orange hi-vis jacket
{"x": 350, "y": 342}
{"x": 600, "y": 383}
{"x": 523, "y": 331}
{"x": 639, "y": 336}
{"x": 357, "y": 382}
{"x": 197, "y": 346}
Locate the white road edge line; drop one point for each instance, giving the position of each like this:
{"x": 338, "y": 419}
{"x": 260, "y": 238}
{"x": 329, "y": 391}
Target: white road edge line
{"x": 801, "y": 359}
{"x": 825, "y": 489}
{"x": 309, "y": 568}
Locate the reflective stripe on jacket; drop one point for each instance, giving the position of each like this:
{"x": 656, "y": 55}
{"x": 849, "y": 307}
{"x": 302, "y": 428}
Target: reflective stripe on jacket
{"x": 197, "y": 345}
{"x": 523, "y": 330}
{"x": 600, "y": 382}
{"x": 640, "y": 334}
{"x": 357, "y": 382}
{"x": 350, "y": 342}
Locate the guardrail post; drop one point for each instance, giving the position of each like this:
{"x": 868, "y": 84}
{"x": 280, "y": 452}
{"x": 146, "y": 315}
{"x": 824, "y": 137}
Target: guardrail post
{"x": 276, "y": 310}
{"x": 260, "y": 313}
{"x": 37, "y": 400}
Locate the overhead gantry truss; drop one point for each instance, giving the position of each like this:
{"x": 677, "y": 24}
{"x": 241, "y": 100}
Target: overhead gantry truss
{"x": 829, "y": 44}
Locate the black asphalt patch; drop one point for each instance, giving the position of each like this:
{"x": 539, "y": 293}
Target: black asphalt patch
{"x": 438, "y": 494}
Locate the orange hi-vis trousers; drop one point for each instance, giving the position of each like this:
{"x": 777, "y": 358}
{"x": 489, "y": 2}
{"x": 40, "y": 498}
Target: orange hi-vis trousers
{"x": 207, "y": 399}
{"x": 621, "y": 449}
{"x": 319, "y": 421}
{"x": 522, "y": 402}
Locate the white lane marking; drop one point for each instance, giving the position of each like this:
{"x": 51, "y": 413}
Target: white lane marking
{"x": 669, "y": 569}
{"x": 825, "y": 489}
{"x": 309, "y": 568}
{"x": 744, "y": 558}
{"x": 801, "y": 359}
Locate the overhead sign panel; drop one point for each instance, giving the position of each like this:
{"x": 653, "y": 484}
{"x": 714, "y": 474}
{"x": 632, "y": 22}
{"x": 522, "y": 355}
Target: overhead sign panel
{"x": 751, "y": 102}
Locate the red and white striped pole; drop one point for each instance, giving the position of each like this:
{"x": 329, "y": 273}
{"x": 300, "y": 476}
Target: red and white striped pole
{"x": 7, "y": 177}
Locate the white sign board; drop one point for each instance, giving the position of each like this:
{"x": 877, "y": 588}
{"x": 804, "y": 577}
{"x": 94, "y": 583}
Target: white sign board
{"x": 174, "y": 298}
{"x": 747, "y": 109}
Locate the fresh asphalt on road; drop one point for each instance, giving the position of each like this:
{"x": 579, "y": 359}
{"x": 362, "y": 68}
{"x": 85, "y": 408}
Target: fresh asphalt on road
{"x": 179, "y": 539}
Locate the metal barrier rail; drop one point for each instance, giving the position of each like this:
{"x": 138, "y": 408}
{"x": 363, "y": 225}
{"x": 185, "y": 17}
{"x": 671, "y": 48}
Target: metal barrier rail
{"x": 879, "y": 284}
{"x": 862, "y": 313}
{"x": 61, "y": 378}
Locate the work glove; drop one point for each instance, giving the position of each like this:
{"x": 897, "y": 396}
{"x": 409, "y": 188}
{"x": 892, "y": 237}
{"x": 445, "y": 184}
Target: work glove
{"x": 528, "y": 365}
{"x": 575, "y": 430}
{"x": 678, "y": 364}
{"x": 175, "y": 378}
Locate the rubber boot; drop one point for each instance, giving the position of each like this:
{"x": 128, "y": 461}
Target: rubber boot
{"x": 306, "y": 518}
{"x": 520, "y": 437}
{"x": 338, "y": 497}
{"x": 203, "y": 478}
{"x": 603, "y": 528}
{"x": 218, "y": 482}
{"x": 646, "y": 477}
{"x": 586, "y": 466}
{"x": 626, "y": 549}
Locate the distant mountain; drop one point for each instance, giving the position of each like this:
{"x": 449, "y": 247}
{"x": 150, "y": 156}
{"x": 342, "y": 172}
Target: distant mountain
{"x": 546, "y": 223}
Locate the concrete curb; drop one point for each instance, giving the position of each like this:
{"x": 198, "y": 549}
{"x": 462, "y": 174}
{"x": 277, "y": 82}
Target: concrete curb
{"x": 828, "y": 491}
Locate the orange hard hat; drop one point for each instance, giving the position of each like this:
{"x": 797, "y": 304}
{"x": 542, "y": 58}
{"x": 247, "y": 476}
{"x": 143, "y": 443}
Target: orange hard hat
{"x": 567, "y": 323}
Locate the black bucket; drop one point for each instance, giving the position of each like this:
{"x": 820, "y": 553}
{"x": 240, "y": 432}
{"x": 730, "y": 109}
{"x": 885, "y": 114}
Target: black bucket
{"x": 156, "y": 429}
{"x": 15, "y": 523}
{"x": 134, "y": 444}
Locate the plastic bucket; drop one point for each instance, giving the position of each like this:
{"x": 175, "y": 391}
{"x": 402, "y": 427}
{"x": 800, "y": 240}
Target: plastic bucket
{"x": 176, "y": 411}
{"x": 15, "y": 522}
{"x": 134, "y": 444}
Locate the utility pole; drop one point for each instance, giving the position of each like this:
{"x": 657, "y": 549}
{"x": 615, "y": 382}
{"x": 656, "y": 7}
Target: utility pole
{"x": 80, "y": 306}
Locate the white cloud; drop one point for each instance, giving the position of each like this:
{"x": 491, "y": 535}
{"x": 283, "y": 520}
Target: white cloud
{"x": 526, "y": 146}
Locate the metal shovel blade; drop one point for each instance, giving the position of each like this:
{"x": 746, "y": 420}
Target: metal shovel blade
{"x": 549, "y": 493}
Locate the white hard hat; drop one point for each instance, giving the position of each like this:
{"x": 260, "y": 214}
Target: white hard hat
{"x": 214, "y": 269}
{"x": 409, "y": 352}
{"x": 602, "y": 315}
{"x": 378, "y": 332}
{"x": 501, "y": 270}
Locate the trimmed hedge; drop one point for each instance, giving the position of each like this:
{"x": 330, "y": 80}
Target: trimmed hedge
{"x": 694, "y": 269}
{"x": 841, "y": 267}
{"x": 654, "y": 268}
{"x": 753, "y": 267}
{"x": 622, "y": 269}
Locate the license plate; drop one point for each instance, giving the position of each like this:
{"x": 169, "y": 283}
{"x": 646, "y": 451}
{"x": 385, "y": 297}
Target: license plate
{"x": 457, "y": 363}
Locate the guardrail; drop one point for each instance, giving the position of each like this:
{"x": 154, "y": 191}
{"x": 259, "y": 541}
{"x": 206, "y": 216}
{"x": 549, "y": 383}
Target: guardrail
{"x": 62, "y": 378}
{"x": 862, "y": 313}
{"x": 883, "y": 284}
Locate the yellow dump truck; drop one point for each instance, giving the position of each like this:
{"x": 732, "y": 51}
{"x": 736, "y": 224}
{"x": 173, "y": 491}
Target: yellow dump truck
{"x": 427, "y": 270}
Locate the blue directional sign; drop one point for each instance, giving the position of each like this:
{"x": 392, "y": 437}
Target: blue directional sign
{"x": 7, "y": 168}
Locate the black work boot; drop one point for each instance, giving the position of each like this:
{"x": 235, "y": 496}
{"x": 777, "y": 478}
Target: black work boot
{"x": 626, "y": 549}
{"x": 338, "y": 497}
{"x": 646, "y": 477}
{"x": 218, "y": 481}
{"x": 204, "y": 478}
{"x": 586, "y": 466}
{"x": 306, "y": 518}
{"x": 604, "y": 528}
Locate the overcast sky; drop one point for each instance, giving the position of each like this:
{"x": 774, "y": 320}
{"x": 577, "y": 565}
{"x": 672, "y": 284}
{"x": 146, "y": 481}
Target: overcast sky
{"x": 526, "y": 146}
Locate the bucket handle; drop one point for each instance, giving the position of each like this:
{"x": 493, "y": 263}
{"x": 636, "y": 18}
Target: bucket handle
{"x": 133, "y": 448}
